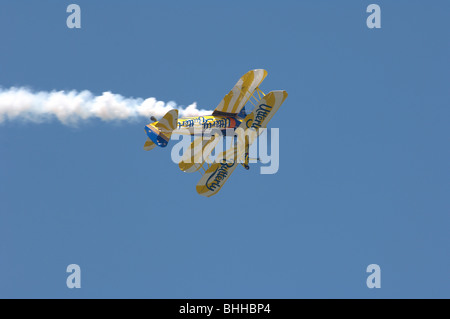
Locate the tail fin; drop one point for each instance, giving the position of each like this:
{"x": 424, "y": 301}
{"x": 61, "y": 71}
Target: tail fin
{"x": 161, "y": 131}
{"x": 168, "y": 123}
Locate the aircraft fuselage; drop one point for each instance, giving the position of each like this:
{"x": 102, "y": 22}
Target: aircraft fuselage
{"x": 199, "y": 124}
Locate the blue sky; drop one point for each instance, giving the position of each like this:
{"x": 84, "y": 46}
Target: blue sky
{"x": 363, "y": 178}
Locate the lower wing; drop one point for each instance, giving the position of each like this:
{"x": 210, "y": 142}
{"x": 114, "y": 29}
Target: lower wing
{"x": 214, "y": 178}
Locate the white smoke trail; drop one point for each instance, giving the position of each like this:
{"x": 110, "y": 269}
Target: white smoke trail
{"x": 72, "y": 107}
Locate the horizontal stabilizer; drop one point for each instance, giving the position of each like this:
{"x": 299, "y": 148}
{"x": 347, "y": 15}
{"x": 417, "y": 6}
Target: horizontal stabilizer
{"x": 149, "y": 145}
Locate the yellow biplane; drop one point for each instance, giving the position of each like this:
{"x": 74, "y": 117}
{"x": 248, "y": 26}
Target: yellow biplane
{"x": 230, "y": 114}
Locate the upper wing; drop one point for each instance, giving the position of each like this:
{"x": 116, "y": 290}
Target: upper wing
{"x": 266, "y": 109}
{"x": 234, "y": 101}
